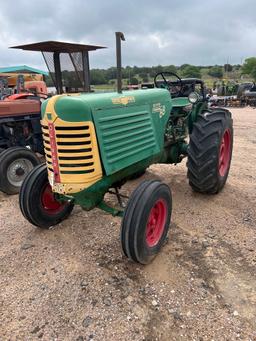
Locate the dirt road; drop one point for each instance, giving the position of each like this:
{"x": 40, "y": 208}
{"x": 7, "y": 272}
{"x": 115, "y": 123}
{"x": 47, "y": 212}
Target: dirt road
{"x": 72, "y": 282}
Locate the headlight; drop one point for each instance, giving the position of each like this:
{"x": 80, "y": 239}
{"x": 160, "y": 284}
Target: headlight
{"x": 193, "y": 97}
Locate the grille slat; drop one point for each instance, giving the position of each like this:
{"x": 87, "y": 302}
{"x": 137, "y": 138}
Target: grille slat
{"x": 122, "y": 116}
{"x": 135, "y": 141}
{"x": 111, "y": 125}
{"x": 79, "y": 172}
{"x": 131, "y": 147}
{"x": 74, "y": 149}
{"x": 75, "y": 158}
{"x": 75, "y": 136}
{"x": 73, "y": 143}
{"x": 76, "y": 165}
{"x": 71, "y": 128}
{"x": 120, "y": 131}
{"x": 69, "y": 149}
{"x": 129, "y": 135}
{"x": 125, "y": 155}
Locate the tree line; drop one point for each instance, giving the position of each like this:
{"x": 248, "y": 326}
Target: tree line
{"x": 135, "y": 75}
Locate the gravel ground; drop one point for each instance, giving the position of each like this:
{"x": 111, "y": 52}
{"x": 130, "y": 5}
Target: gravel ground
{"x": 73, "y": 283}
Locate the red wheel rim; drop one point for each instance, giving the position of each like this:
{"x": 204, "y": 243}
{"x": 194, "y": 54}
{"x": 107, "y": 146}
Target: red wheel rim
{"x": 156, "y": 223}
{"x": 224, "y": 154}
{"x": 49, "y": 203}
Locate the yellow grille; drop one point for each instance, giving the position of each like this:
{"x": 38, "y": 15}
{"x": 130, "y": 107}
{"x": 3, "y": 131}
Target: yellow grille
{"x": 77, "y": 155}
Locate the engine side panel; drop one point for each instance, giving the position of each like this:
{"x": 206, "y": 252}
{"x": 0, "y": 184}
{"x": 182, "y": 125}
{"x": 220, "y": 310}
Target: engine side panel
{"x": 126, "y": 136}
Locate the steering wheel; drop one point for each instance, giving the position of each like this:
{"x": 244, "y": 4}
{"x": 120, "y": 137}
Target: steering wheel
{"x": 174, "y": 86}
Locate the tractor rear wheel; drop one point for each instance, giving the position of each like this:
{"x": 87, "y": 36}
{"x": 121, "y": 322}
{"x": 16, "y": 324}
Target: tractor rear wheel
{"x": 210, "y": 151}
{"x": 38, "y": 203}
{"x": 2, "y": 150}
{"x": 15, "y": 164}
{"x": 146, "y": 221}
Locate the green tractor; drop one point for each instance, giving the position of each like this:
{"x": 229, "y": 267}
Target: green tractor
{"x": 95, "y": 142}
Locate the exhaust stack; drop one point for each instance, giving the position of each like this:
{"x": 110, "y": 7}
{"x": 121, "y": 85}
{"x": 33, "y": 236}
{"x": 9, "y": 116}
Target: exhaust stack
{"x": 119, "y": 37}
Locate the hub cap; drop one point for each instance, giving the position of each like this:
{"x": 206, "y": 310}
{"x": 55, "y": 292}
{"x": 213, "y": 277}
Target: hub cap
{"x": 18, "y": 170}
{"x": 49, "y": 203}
{"x": 156, "y": 223}
{"x": 224, "y": 154}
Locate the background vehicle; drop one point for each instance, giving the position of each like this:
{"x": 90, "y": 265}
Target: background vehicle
{"x": 95, "y": 142}
{"x": 20, "y": 133}
{"x": 245, "y": 95}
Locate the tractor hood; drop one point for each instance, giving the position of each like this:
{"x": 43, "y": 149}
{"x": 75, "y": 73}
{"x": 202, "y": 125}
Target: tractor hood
{"x": 129, "y": 126}
{"x": 81, "y": 107}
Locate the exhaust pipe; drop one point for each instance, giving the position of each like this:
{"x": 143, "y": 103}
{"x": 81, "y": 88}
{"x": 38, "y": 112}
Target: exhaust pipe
{"x": 119, "y": 37}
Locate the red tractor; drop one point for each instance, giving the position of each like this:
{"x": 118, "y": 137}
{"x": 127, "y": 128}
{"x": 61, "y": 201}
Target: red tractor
{"x": 20, "y": 135}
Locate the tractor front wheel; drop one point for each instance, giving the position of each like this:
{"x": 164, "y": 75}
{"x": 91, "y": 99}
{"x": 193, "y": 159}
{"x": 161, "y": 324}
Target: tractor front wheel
{"x": 15, "y": 164}
{"x": 38, "y": 203}
{"x": 210, "y": 151}
{"x": 146, "y": 221}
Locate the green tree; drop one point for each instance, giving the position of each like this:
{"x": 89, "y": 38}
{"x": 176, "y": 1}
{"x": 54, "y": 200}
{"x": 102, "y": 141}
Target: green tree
{"x": 183, "y": 66}
{"x": 216, "y": 71}
{"x": 111, "y": 73}
{"x": 70, "y": 79}
{"x": 170, "y": 68}
{"x": 159, "y": 68}
{"x": 253, "y": 73}
{"x": 97, "y": 77}
{"x": 236, "y": 67}
{"x": 48, "y": 81}
{"x": 191, "y": 71}
{"x": 249, "y": 67}
{"x": 152, "y": 72}
{"x": 134, "y": 81}
{"x": 143, "y": 76}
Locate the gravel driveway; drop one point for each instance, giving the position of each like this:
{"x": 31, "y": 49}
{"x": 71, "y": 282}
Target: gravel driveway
{"x": 73, "y": 283}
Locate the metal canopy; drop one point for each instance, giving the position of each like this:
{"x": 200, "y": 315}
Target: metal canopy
{"x": 57, "y": 46}
{"x": 63, "y": 57}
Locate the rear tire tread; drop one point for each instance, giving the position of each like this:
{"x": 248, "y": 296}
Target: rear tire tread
{"x": 203, "y": 151}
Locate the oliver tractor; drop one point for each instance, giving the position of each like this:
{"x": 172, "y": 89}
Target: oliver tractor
{"x": 94, "y": 143}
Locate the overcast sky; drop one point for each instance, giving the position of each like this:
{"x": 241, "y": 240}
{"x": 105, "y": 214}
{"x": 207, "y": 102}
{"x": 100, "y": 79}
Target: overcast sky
{"x": 199, "y": 32}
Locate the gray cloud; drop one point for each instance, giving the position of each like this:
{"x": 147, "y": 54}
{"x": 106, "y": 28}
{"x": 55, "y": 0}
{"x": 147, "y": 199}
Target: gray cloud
{"x": 157, "y": 32}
